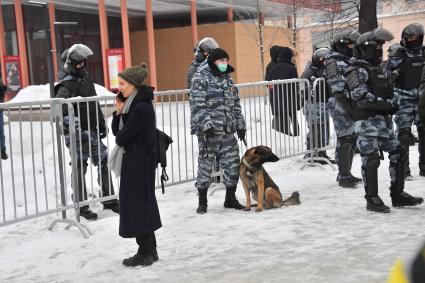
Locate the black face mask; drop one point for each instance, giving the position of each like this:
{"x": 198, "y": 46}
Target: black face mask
{"x": 81, "y": 72}
{"x": 200, "y": 56}
{"x": 412, "y": 44}
{"x": 349, "y": 52}
{"x": 372, "y": 54}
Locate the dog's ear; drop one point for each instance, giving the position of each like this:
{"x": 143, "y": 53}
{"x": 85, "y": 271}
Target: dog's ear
{"x": 260, "y": 150}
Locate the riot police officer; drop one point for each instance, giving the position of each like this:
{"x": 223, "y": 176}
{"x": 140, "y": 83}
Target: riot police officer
{"x": 315, "y": 107}
{"x": 74, "y": 82}
{"x": 336, "y": 64}
{"x": 216, "y": 115}
{"x": 371, "y": 96}
{"x": 407, "y": 59}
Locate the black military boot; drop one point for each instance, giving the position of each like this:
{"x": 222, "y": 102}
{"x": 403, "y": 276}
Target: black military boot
{"x": 230, "y": 200}
{"x": 401, "y": 199}
{"x": 138, "y": 259}
{"x": 374, "y": 203}
{"x": 202, "y": 202}
{"x": 370, "y": 175}
{"x": 355, "y": 179}
{"x": 4, "y": 155}
{"x": 346, "y": 182}
{"x": 87, "y": 213}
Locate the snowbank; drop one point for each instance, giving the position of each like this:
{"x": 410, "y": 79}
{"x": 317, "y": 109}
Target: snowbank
{"x": 42, "y": 92}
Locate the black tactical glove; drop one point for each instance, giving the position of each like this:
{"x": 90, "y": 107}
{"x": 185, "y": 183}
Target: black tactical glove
{"x": 103, "y": 131}
{"x": 241, "y": 134}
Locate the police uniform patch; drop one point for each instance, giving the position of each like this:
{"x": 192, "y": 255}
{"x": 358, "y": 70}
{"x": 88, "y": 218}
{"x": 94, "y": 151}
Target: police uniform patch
{"x": 234, "y": 90}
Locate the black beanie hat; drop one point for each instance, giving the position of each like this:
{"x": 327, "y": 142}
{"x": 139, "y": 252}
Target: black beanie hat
{"x": 217, "y": 54}
{"x": 134, "y": 75}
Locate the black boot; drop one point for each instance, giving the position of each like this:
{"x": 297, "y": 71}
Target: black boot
{"x": 400, "y": 199}
{"x": 4, "y": 155}
{"x": 374, "y": 203}
{"x": 155, "y": 255}
{"x": 230, "y": 200}
{"x": 398, "y": 196}
{"x": 346, "y": 181}
{"x": 370, "y": 165}
{"x": 114, "y": 206}
{"x": 138, "y": 259}
{"x": 202, "y": 202}
{"x": 355, "y": 179}
{"x": 87, "y": 213}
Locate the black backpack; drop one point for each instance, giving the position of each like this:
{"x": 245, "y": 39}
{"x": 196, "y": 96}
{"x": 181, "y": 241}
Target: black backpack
{"x": 162, "y": 145}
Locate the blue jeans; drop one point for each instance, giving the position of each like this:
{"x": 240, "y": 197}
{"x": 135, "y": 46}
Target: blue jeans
{"x": 2, "y": 138}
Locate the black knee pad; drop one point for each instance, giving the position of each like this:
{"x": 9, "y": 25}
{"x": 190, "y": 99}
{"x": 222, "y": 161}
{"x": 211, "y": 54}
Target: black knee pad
{"x": 373, "y": 161}
{"x": 401, "y": 151}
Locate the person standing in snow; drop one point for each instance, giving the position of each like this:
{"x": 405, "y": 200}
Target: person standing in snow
{"x": 407, "y": 60}
{"x": 284, "y": 99}
{"x": 134, "y": 127}
{"x": 337, "y": 63}
{"x": 216, "y": 116}
{"x": 315, "y": 108}
{"x": 90, "y": 125}
{"x": 372, "y": 103}
{"x": 3, "y": 89}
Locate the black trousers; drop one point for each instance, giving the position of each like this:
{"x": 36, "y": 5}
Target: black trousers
{"x": 147, "y": 243}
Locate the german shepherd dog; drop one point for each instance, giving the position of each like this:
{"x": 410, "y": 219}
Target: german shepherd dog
{"x": 257, "y": 182}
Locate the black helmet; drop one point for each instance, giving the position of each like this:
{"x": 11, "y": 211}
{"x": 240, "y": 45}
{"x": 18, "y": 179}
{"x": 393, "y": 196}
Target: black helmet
{"x": 64, "y": 55}
{"x": 343, "y": 39}
{"x": 319, "y": 56}
{"x": 369, "y": 45}
{"x": 412, "y": 30}
{"x": 207, "y": 44}
{"x": 75, "y": 55}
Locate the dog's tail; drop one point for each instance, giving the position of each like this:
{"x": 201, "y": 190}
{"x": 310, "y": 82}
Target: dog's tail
{"x": 294, "y": 199}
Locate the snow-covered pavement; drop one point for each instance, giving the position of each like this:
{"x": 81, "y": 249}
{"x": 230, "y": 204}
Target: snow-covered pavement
{"x": 330, "y": 237}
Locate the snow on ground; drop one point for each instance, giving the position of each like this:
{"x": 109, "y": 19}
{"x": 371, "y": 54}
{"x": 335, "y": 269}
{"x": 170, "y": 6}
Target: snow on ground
{"x": 42, "y": 92}
{"x": 330, "y": 237}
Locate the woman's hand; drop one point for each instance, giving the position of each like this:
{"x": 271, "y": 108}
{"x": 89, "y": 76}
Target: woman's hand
{"x": 119, "y": 105}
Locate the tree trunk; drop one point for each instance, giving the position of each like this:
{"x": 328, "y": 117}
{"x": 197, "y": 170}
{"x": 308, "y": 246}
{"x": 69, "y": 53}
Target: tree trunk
{"x": 367, "y": 16}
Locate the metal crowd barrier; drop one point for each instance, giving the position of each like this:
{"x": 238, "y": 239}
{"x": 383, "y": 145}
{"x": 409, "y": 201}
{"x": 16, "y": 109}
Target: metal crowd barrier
{"x": 45, "y": 150}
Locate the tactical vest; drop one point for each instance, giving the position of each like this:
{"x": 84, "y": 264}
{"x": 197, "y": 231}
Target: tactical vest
{"x": 410, "y": 72}
{"x": 380, "y": 83}
{"x": 84, "y": 87}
